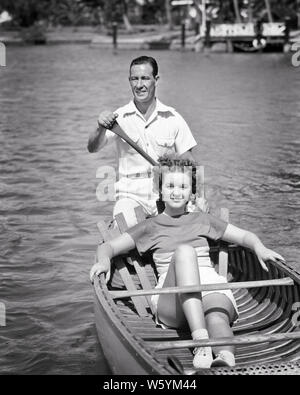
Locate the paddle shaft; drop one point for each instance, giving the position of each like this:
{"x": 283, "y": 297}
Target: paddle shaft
{"x": 201, "y": 288}
{"x": 226, "y": 341}
{"x": 120, "y": 132}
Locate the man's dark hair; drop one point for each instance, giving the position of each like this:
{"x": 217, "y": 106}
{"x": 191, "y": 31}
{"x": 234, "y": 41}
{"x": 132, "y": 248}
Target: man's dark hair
{"x": 145, "y": 60}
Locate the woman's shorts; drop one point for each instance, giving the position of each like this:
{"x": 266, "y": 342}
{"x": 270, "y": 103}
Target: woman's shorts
{"x": 208, "y": 275}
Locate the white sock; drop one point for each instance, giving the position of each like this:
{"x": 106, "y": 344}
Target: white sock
{"x": 200, "y": 334}
{"x": 227, "y": 354}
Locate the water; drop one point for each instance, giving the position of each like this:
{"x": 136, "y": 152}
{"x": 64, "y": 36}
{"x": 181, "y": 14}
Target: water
{"x": 244, "y": 112}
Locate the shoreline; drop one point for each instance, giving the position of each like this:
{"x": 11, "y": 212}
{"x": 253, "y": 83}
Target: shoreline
{"x": 155, "y": 38}
{"x": 91, "y": 35}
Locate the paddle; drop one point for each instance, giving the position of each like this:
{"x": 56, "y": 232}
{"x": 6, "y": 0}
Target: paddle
{"x": 226, "y": 341}
{"x": 120, "y": 132}
{"x": 203, "y": 287}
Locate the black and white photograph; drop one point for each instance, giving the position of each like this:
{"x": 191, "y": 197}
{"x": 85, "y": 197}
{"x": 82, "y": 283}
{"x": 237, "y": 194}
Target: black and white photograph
{"x": 149, "y": 190}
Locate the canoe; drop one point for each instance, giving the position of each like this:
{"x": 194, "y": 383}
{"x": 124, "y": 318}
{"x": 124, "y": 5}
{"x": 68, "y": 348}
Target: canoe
{"x": 267, "y": 335}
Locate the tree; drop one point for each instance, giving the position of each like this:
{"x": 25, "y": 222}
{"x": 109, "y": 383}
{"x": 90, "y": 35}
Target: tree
{"x": 69, "y": 12}
{"x": 237, "y": 11}
{"x": 26, "y": 12}
{"x": 125, "y": 4}
{"x": 169, "y": 14}
{"x": 269, "y": 12}
{"x": 116, "y": 11}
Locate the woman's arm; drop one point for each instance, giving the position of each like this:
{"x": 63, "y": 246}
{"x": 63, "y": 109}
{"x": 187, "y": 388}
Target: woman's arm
{"x": 248, "y": 239}
{"x": 105, "y": 252}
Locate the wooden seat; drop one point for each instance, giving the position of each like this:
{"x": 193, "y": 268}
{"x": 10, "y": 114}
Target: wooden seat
{"x": 121, "y": 265}
{"x": 143, "y": 276}
{"x": 134, "y": 259}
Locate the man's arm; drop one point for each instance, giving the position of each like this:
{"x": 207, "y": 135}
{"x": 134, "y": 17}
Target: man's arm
{"x": 96, "y": 139}
{"x": 105, "y": 121}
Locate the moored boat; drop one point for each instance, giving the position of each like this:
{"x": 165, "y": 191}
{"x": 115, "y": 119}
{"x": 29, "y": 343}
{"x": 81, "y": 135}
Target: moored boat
{"x": 267, "y": 335}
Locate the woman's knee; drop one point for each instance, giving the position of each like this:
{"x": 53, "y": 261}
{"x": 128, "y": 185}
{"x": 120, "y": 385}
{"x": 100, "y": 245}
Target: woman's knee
{"x": 218, "y": 307}
{"x": 186, "y": 265}
{"x": 218, "y": 318}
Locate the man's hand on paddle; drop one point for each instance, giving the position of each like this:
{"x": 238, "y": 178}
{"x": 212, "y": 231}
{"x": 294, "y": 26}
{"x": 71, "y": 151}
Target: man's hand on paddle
{"x": 107, "y": 119}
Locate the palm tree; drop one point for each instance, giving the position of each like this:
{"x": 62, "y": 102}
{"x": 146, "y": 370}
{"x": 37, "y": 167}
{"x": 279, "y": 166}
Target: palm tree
{"x": 269, "y": 12}
{"x": 169, "y": 14}
{"x": 125, "y": 4}
{"x": 237, "y": 10}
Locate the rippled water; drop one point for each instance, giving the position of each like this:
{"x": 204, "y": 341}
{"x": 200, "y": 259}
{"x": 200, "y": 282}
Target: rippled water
{"x": 245, "y": 114}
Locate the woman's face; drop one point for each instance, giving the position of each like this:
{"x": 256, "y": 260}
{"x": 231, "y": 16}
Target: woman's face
{"x": 176, "y": 189}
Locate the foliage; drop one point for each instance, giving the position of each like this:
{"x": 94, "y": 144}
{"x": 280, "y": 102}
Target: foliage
{"x": 280, "y": 9}
{"x": 35, "y": 34}
{"x": 67, "y": 12}
{"x": 27, "y": 12}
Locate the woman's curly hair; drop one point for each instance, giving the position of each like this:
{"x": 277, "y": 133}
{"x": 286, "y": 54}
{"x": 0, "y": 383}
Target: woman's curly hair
{"x": 172, "y": 163}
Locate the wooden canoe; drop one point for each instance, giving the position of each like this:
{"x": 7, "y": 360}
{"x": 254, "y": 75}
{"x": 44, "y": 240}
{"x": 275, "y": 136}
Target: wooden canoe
{"x": 267, "y": 335}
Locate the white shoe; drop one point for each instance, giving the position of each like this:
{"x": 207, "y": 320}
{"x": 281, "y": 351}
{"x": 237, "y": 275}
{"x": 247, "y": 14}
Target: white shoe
{"x": 225, "y": 358}
{"x": 203, "y": 358}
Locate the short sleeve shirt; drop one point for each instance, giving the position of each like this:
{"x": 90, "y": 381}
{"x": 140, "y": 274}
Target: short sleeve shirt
{"x": 164, "y": 132}
{"x": 162, "y": 234}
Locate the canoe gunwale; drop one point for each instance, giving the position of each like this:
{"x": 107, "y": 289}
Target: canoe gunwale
{"x": 146, "y": 354}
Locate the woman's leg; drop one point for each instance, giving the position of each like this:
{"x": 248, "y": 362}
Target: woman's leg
{"x": 174, "y": 310}
{"x": 187, "y": 274}
{"x": 169, "y": 309}
{"x": 219, "y": 313}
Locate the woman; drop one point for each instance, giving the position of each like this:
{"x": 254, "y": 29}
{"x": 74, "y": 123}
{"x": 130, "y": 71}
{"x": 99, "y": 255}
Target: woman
{"x": 179, "y": 242}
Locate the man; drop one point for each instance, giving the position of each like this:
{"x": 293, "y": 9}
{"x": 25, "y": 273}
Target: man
{"x": 155, "y": 127}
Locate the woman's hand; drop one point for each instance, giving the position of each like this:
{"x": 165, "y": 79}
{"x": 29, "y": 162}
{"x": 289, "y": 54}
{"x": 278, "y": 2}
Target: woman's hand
{"x": 107, "y": 251}
{"x": 264, "y": 255}
{"x": 101, "y": 267}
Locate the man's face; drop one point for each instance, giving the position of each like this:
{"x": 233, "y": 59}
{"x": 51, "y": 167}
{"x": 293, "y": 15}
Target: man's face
{"x": 143, "y": 83}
